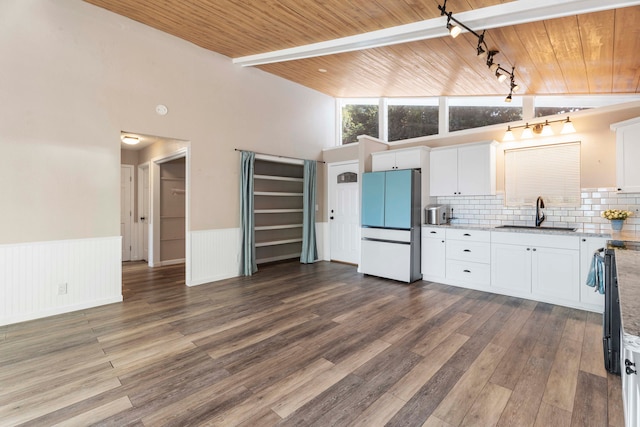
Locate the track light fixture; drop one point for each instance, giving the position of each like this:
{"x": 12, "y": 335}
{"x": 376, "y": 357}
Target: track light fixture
{"x": 542, "y": 128}
{"x": 482, "y": 50}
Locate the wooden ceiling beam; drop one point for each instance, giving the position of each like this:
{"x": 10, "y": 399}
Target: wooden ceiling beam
{"x": 506, "y": 14}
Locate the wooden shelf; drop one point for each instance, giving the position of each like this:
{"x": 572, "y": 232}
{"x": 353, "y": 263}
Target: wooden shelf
{"x": 278, "y": 178}
{"x": 172, "y": 179}
{"x": 277, "y": 194}
{"x": 277, "y": 242}
{"x": 277, "y": 227}
{"x": 278, "y": 190}
{"x": 277, "y": 258}
{"x": 272, "y": 211}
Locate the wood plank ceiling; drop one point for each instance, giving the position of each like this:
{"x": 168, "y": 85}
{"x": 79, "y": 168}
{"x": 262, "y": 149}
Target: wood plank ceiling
{"x": 593, "y": 53}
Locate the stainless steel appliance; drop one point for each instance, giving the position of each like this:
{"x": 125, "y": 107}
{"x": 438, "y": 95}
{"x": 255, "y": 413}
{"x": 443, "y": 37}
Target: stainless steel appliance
{"x": 611, "y": 322}
{"x": 435, "y": 215}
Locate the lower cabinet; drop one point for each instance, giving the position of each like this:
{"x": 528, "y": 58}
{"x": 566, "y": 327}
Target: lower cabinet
{"x": 541, "y": 267}
{"x": 588, "y": 295}
{"x": 468, "y": 257}
{"x": 433, "y": 254}
{"x": 544, "y": 267}
{"x": 511, "y": 269}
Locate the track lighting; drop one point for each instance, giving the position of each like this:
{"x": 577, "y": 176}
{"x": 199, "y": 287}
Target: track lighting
{"x": 482, "y": 50}
{"x": 542, "y": 128}
{"x": 454, "y": 30}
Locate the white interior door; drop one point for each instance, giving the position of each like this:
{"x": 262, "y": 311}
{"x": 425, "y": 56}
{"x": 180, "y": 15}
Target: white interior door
{"x": 143, "y": 209}
{"x": 344, "y": 213}
{"x": 126, "y": 209}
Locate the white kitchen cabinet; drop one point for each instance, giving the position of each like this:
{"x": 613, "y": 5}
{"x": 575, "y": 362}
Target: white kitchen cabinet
{"x": 555, "y": 273}
{"x": 466, "y": 170}
{"x": 433, "y": 254}
{"x": 542, "y": 267}
{"x": 406, "y": 158}
{"x": 593, "y": 300}
{"x": 468, "y": 257}
{"x": 627, "y": 155}
{"x": 511, "y": 269}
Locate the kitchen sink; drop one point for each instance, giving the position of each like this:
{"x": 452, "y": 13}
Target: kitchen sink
{"x": 532, "y": 227}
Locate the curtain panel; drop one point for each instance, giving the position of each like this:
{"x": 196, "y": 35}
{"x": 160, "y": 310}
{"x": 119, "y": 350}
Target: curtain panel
{"x": 248, "y": 249}
{"x": 309, "y": 249}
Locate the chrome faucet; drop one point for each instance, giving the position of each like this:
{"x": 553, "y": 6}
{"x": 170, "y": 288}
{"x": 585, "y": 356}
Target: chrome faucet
{"x": 539, "y": 213}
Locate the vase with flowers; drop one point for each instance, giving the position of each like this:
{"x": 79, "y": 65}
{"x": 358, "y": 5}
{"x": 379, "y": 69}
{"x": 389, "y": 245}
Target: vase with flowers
{"x": 617, "y": 217}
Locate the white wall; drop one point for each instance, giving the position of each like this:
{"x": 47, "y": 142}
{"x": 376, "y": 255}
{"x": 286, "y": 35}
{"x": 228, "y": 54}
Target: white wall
{"x": 74, "y": 76}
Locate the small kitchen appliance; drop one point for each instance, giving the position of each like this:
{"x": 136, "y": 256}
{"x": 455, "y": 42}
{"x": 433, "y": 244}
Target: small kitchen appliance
{"x": 435, "y": 215}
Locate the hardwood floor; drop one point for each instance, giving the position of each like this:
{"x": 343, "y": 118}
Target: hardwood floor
{"x": 301, "y": 345}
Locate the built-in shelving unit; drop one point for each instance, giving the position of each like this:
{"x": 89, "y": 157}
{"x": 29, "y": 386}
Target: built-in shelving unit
{"x": 172, "y": 210}
{"x": 278, "y": 194}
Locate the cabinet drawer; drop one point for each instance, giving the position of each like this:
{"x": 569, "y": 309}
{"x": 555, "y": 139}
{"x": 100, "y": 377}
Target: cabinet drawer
{"x": 466, "y": 234}
{"x": 433, "y": 232}
{"x": 468, "y": 272}
{"x": 469, "y": 251}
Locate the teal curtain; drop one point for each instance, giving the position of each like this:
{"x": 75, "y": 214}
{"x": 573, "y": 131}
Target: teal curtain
{"x": 309, "y": 249}
{"x": 248, "y": 255}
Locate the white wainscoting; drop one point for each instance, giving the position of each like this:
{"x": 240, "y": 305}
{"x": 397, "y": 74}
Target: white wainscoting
{"x": 31, "y": 274}
{"x": 215, "y": 255}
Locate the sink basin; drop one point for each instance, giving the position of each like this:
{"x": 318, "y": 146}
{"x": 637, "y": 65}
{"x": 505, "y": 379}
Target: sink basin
{"x": 531, "y": 227}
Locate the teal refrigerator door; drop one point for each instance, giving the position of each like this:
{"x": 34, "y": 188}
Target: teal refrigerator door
{"x": 397, "y": 208}
{"x": 373, "y": 199}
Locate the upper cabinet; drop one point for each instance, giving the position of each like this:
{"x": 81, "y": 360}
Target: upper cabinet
{"x": 406, "y": 158}
{"x": 466, "y": 170}
{"x": 627, "y": 155}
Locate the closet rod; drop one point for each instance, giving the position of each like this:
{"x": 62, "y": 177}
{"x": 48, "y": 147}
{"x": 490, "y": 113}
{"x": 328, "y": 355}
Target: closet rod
{"x": 276, "y": 155}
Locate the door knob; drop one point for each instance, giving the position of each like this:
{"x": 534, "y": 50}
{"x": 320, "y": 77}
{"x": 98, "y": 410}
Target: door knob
{"x": 331, "y": 217}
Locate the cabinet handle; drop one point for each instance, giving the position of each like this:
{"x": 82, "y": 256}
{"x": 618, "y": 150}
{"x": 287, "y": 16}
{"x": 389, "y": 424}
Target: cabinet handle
{"x": 467, "y": 271}
{"x": 467, "y": 250}
{"x": 433, "y": 232}
{"x": 534, "y": 249}
{"x": 528, "y": 249}
{"x": 443, "y": 241}
{"x": 467, "y": 234}
{"x": 584, "y": 240}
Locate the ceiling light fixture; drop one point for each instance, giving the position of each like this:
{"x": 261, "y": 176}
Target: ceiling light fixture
{"x": 542, "y": 128}
{"x": 130, "y": 140}
{"x": 482, "y": 50}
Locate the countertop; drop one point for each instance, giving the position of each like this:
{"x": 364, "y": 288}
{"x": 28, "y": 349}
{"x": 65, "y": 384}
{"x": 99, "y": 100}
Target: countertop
{"x": 628, "y": 272}
{"x": 612, "y": 235}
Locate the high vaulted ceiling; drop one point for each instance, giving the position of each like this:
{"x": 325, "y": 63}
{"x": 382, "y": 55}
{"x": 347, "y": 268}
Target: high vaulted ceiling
{"x": 585, "y": 53}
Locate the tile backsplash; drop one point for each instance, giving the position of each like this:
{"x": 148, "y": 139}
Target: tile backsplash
{"x": 491, "y": 211}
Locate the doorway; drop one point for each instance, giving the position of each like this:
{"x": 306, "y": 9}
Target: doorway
{"x": 160, "y": 200}
{"x": 344, "y": 212}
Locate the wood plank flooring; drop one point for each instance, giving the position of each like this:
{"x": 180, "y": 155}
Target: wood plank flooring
{"x": 307, "y": 345}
